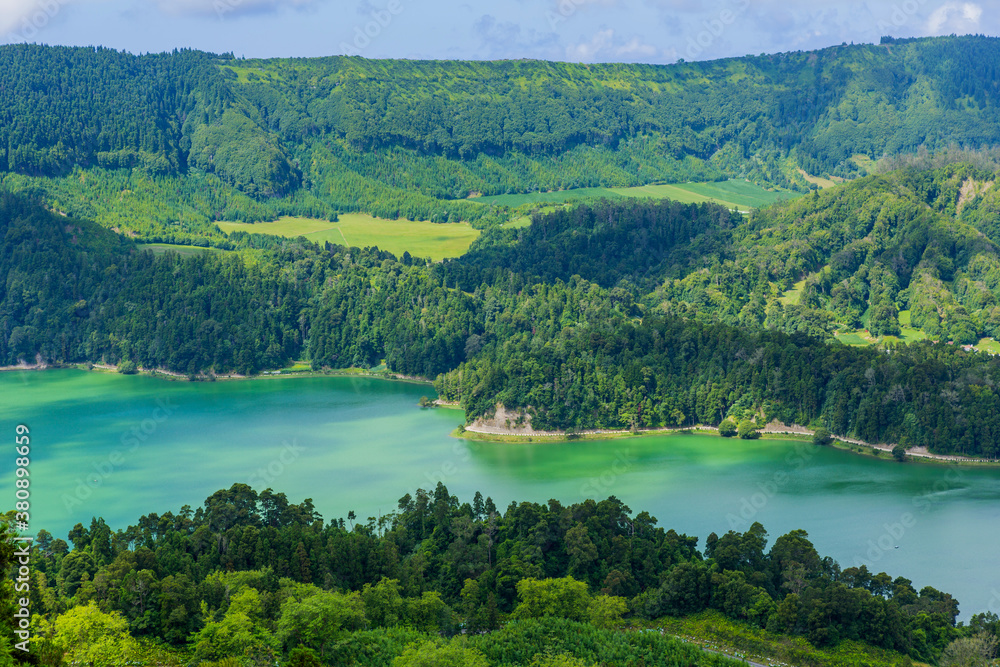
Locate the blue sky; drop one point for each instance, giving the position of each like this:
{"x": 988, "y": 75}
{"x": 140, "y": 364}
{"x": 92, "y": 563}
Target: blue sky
{"x": 651, "y": 31}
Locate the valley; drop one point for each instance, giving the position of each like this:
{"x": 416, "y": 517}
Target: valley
{"x": 597, "y": 250}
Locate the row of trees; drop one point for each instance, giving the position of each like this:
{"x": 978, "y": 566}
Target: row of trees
{"x": 666, "y": 372}
{"x": 249, "y": 577}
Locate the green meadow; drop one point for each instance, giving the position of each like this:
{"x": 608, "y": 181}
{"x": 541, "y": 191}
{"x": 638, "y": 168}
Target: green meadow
{"x": 183, "y": 250}
{"x": 988, "y": 345}
{"x": 420, "y": 238}
{"x": 734, "y": 193}
{"x": 556, "y": 197}
{"x": 791, "y": 297}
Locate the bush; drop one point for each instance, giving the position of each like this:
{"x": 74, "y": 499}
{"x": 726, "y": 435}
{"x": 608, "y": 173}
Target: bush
{"x": 899, "y": 453}
{"x": 126, "y": 367}
{"x": 747, "y": 430}
{"x": 727, "y": 428}
{"x": 822, "y": 437}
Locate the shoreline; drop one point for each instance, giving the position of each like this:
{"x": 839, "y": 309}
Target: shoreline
{"x": 171, "y": 376}
{"x": 918, "y": 455}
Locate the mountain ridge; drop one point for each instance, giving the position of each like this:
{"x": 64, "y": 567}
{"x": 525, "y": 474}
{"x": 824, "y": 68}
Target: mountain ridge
{"x": 251, "y": 140}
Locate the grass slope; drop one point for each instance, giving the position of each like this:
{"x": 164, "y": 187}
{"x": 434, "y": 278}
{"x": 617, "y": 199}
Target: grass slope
{"x": 182, "y": 250}
{"x": 418, "y": 237}
{"x": 716, "y": 632}
{"x": 734, "y": 193}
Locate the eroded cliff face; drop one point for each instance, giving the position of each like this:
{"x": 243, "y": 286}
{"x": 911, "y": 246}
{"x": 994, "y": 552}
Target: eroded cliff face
{"x": 505, "y": 421}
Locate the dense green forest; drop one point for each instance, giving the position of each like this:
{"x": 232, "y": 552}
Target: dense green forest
{"x": 162, "y": 145}
{"x": 624, "y": 314}
{"x": 250, "y": 578}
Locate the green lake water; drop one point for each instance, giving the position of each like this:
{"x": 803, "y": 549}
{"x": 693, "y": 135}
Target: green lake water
{"x": 119, "y": 447}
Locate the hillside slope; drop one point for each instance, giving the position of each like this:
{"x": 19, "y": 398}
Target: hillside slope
{"x": 164, "y": 144}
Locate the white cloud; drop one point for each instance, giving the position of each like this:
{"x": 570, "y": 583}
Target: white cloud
{"x": 954, "y": 17}
{"x": 21, "y": 20}
{"x": 223, "y": 8}
{"x": 586, "y": 51}
{"x": 635, "y": 48}
{"x": 604, "y": 46}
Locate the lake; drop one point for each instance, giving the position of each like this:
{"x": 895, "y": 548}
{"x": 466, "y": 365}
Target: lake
{"x": 123, "y": 446}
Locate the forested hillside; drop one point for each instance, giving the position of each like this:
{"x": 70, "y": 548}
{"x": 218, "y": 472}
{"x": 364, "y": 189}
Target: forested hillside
{"x": 615, "y": 315}
{"x": 622, "y": 314}
{"x": 249, "y": 578}
{"x": 920, "y": 241}
{"x": 162, "y": 145}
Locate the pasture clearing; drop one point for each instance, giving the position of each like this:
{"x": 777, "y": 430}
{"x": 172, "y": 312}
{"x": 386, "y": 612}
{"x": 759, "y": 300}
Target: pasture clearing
{"x": 421, "y": 238}
{"x": 182, "y": 250}
{"x": 733, "y": 193}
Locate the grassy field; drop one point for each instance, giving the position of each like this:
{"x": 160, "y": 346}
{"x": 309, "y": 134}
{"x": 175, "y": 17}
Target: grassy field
{"x": 682, "y": 193}
{"x": 854, "y": 338}
{"x": 733, "y": 193}
{"x": 741, "y": 193}
{"x": 862, "y": 337}
{"x": 716, "y": 632}
{"x": 540, "y": 197}
{"x": 792, "y": 296}
{"x": 864, "y": 162}
{"x": 819, "y": 180}
{"x": 523, "y": 221}
{"x": 420, "y": 238}
{"x": 906, "y": 335}
{"x": 988, "y": 345}
{"x": 183, "y": 250}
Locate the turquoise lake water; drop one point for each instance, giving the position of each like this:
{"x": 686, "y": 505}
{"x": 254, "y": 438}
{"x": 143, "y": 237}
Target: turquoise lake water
{"x": 123, "y": 446}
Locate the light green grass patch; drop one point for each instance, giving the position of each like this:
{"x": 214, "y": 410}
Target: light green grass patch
{"x": 734, "y": 193}
{"x": 182, "y": 250}
{"x": 988, "y": 345}
{"x": 864, "y": 162}
{"x": 421, "y": 238}
{"x": 288, "y": 226}
{"x": 852, "y": 338}
{"x": 675, "y": 192}
{"x": 862, "y": 337}
{"x": 742, "y": 193}
{"x": 558, "y": 196}
{"x": 906, "y": 335}
{"x": 714, "y": 631}
{"x": 911, "y": 335}
{"x": 792, "y": 296}
{"x": 819, "y": 180}
{"x": 523, "y": 221}
{"x": 904, "y": 318}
